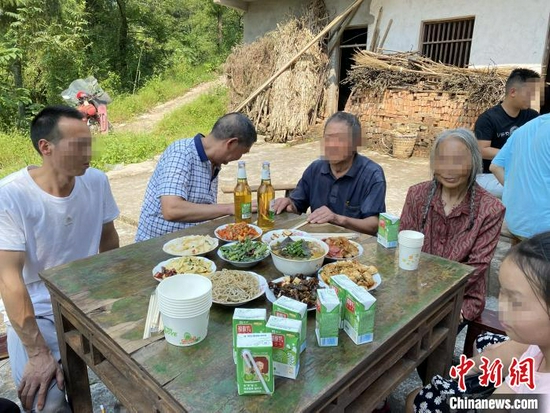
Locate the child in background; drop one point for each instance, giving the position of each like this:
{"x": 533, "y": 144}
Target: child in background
{"x": 524, "y": 311}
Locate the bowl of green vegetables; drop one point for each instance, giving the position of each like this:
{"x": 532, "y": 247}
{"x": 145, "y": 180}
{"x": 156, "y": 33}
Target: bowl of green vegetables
{"x": 245, "y": 254}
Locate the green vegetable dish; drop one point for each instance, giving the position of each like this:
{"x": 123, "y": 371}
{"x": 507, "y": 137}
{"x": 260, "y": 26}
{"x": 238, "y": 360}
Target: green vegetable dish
{"x": 245, "y": 251}
{"x": 298, "y": 250}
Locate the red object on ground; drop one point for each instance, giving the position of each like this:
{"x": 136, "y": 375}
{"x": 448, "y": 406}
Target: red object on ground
{"x": 88, "y": 110}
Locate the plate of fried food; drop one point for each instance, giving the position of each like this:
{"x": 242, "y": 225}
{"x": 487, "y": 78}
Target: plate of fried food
{"x": 298, "y": 287}
{"x": 183, "y": 265}
{"x": 341, "y": 248}
{"x": 190, "y": 245}
{"x": 233, "y": 288}
{"x": 366, "y": 276}
{"x": 282, "y": 234}
{"x": 237, "y": 232}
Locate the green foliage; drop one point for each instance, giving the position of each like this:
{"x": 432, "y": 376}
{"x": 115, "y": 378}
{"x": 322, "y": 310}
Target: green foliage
{"x": 125, "y": 44}
{"x": 116, "y": 148}
{"x": 175, "y": 82}
{"x": 17, "y": 152}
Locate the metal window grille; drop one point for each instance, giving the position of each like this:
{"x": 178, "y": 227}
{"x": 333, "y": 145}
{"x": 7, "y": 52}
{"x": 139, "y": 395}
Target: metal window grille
{"x": 448, "y": 41}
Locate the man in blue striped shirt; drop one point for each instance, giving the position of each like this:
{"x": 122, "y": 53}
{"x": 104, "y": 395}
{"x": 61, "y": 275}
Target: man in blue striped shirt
{"x": 182, "y": 191}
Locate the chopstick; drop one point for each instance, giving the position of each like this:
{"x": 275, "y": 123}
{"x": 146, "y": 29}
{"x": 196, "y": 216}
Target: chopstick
{"x": 348, "y": 235}
{"x": 301, "y": 225}
{"x": 148, "y": 320}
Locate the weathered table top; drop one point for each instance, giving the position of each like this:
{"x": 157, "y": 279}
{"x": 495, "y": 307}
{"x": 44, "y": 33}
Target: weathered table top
{"x": 112, "y": 291}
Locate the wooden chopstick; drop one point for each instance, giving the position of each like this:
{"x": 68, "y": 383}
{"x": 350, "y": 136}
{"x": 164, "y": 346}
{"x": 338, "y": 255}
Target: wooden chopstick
{"x": 300, "y": 225}
{"x": 148, "y": 320}
{"x": 348, "y": 235}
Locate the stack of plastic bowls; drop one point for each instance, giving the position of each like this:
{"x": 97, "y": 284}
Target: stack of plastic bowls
{"x": 184, "y": 303}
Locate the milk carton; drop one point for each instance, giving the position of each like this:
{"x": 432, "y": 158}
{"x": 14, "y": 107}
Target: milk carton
{"x": 255, "y": 364}
{"x": 285, "y": 334}
{"x": 340, "y": 283}
{"x": 248, "y": 321}
{"x": 388, "y": 227}
{"x": 327, "y": 317}
{"x": 288, "y": 308}
{"x": 359, "y": 315}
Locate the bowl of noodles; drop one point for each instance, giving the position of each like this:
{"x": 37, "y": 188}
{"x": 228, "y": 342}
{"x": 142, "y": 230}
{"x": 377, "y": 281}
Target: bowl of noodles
{"x": 298, "y": 255}
{"x": 233, "y": 287}
{"x": 183, "y": 265}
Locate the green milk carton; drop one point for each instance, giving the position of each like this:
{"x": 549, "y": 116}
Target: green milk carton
{"x": 341, "y": 284}
{"x": 327, "y": 317}
{"x": 388, "y": 227}
{"x": 285, "y": 334}
{"x": 288, "y": 308}
{"x": 255, "y": 364}
{"x": 359, "y": 315}
{"x": 247, "y": 321}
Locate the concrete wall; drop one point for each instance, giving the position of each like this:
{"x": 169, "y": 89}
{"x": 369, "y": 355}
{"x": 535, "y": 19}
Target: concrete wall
{"x": 263, "y": 15}
{"x": 506, "y": 32}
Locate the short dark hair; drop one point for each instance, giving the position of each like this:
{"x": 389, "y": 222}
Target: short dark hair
{"x": 532, "y": 257}
{"x": 349, "y": 119}
{"x": 45, "y": 123}
{"x": 520, "y": 76}
{"x": 235, "y": 125}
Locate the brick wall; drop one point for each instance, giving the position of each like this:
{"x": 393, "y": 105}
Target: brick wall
{"x": 425, "y": 113}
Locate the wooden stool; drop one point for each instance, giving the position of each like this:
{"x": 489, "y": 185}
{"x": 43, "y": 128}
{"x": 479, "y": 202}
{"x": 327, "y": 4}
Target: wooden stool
{"x": 487, "y": 321}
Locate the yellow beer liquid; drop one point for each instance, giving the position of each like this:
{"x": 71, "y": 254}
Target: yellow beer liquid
{"x": 242, "y": 196}
{"x": 266, "y": 197}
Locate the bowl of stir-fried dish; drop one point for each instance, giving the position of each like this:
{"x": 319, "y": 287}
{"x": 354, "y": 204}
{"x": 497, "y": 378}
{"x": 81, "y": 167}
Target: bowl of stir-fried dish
{"x": 298, "y": 255}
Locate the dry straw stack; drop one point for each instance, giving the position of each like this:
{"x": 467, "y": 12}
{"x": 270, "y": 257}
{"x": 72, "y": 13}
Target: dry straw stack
{"x": 379, "y": 72}
{"x": 290, "y": 105}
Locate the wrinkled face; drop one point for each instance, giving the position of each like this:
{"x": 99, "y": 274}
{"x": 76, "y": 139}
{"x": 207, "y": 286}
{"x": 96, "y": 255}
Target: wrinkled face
{"x": 526, "y": 95}
{"x": 452, "y": 164}
{"x": 337, "y": 143}
{"x": 70, "y": 155}
{"x": 521, "y": 311}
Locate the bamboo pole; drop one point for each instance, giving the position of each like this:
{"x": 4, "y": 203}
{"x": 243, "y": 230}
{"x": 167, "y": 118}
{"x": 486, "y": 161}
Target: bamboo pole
{"x": 381, "y": 45}
{"x": 376, "y": 30}
{"x": 336, "y": 36}
{"x": 300, "y": 53}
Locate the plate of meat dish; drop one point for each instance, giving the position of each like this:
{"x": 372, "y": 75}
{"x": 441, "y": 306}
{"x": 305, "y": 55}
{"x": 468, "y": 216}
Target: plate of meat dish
{"x": 298, "y": 287}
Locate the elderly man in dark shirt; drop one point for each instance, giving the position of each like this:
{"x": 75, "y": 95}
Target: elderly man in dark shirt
{"x": 343, "y": 187}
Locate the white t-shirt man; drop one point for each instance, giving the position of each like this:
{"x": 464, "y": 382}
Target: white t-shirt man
{"x": 52, "y": 230}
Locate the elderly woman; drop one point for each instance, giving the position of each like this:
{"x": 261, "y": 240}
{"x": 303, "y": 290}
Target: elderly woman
{"x": 459, "y": 219}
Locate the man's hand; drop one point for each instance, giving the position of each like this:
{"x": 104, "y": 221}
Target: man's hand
{"x": 39, "y": 372}
{"x": 322, "y": 215}
{"x": 284, "y": 204}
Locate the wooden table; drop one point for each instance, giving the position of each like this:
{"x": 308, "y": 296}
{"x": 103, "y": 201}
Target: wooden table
{"x": 100, "y": 304}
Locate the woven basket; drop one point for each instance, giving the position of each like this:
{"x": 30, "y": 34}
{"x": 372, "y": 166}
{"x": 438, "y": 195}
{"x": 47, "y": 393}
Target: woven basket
{"x": 403, "y": 146}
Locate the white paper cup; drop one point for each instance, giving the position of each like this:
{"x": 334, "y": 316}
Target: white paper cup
{"x": 184, "y": 287}
{"x": 410, "y": 246}
{"x": 185, "y": 331}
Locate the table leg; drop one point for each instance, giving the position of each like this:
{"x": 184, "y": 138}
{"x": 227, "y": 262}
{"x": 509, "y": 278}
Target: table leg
{"x": 440, "y": 360}
{"x": 74, "y": 368}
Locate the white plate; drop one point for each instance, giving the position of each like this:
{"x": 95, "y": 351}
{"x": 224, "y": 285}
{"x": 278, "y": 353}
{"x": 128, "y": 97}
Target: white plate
{"x": 263, "y": 289}
{"x": 359, "y": 247}
{"x": 271, "y": 296}
{"x": 258, "y": 230}
{"x": 376, "y": 278}
{"x": 171, "y": 247}
{"x": 159, "y": 266}
{"x": 278, "y": 234}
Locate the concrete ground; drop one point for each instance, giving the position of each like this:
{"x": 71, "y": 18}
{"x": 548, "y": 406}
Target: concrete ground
{"x": 287, "y": 164}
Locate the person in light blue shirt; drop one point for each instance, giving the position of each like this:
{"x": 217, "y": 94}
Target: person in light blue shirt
{"x": 523, "y": 167}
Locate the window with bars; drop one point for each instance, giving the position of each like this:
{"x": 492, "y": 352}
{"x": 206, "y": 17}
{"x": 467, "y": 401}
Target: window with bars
{"x": 448, "y": 41}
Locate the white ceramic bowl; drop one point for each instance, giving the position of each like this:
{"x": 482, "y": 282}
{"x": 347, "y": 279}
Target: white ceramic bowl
{"x": 293, "y": 267}
{"x": 280, "y": 234}
{"x": 241, "y": 264}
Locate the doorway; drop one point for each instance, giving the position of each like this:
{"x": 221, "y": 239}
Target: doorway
{"x": 352, "y": 39}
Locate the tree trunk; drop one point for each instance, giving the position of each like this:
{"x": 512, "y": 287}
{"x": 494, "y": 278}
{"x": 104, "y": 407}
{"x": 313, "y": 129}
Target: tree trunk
{"x": 17, "y": 71}
{"x": 123, "y": 40}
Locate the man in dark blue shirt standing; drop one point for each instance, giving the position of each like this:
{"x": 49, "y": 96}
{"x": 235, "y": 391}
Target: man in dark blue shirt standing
{"x": 343, "y": 187}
